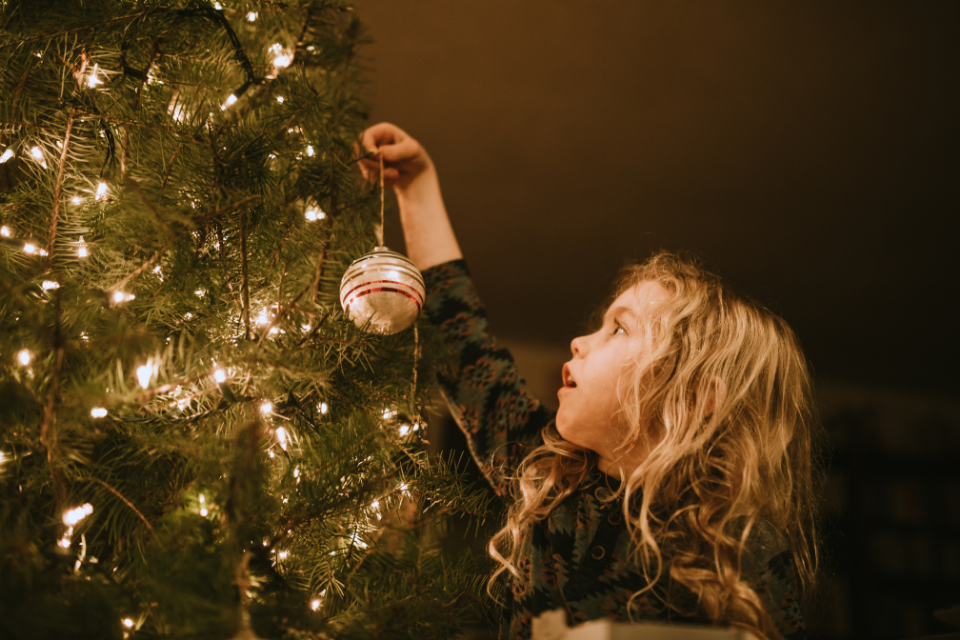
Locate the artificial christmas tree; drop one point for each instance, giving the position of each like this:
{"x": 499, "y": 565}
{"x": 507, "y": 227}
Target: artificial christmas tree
{"x": 196, "y": 442}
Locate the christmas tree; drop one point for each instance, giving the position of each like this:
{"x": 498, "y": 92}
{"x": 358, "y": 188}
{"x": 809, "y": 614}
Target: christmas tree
{"x": 196, "y": 443}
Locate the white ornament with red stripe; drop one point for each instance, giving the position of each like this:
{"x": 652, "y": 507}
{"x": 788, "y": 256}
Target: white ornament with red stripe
{"x": 384, "y": 289}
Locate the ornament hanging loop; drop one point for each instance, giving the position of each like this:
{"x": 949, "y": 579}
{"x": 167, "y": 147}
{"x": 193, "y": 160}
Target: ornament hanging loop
{"x": 380, "y": 228}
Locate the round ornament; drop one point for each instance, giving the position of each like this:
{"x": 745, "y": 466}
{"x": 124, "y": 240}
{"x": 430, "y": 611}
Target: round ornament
{"x": 384, "y": 288}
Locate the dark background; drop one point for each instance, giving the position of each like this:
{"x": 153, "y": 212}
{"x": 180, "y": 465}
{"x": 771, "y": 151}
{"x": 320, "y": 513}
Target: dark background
{"x": 807, "y": 151}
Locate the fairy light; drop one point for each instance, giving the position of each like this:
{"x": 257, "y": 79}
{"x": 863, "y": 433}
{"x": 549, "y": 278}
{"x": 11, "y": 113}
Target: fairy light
{"x": 76, "y": 200}
{"x": 98, "y": 412}
{"x": 280, "y": 99}
{"x": 404, "y": 429}
{"x": 388, "y": 414}
{"x": 50, "y": 284}
{"x": 30, "y": 248}
{"x": 178, "y": 114}
{"x": 218, "y": 6}
{"x": 93, "y": 81}
{"x": 231, "y": 100}
{"x": 262, "y": 318}
{"x": 314, "y": 213}
{"x": 82, "y": 249}
{"x": 24, "y": 357}
{"x": 283, "y": 555}
{"x": 281, "y": 58}
{"x": 282, "y": 437}
{"x": 204, "y": 512}
{"x": 5, "y": 231}
{"x": 266, "y": 408}
{"x": 38, "y": 156}
{"x": 324, "y": 408}
{"x": 102, "y": 191}
{"x": 220, "y": 376}
{"x": 310, "y": 150}
{"x": 200, "y": 292}
{"x": 74, "y": 516}
{"x": 314, "y": 605}
{"x": 128, "y": 623}
{"x": 121, "y": 296}
{"x": 146, "y": 372}
{"x": 252, "y": 16}
{"x": 6, "y": 155}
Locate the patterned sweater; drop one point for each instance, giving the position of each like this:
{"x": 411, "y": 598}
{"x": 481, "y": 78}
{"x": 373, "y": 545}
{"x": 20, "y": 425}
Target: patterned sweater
{"x": 576, "y": 558}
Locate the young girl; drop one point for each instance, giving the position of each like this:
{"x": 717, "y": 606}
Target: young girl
{"x": 675, "y": 483}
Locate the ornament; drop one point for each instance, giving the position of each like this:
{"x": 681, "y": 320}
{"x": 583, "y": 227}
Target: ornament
{"x": 384, "y": 288}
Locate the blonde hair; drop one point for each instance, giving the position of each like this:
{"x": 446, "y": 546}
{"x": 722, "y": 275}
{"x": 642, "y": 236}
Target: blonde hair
{"x": 723, "y": 404}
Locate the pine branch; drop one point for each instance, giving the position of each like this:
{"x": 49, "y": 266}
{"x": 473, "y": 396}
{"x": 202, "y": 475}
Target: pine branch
{"x": 122, "y": 498}
{"x": 58, "y": 191}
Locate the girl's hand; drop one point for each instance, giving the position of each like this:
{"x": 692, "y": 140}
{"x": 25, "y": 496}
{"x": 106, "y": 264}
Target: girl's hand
{"x": 404, "y": 160}
{"x": 410, "y": 171}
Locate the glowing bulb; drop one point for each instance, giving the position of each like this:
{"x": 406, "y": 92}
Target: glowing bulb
{"x": 201, "y": 498}
{"x": 144, "y": 373}
{"x": 388, "y": 414}
{"x": 6, "y": 155}
{"x": 314, "y": 604}
{"x": 324, "y": 408}
{"x": 76, "y": 200}
{"x": 101, "y": 191}
{"x": 283, "y": 555}
{"x": 178, "y": 113}
{"x": 50, "y": 284}
{"x": 280, "y": 99}
{"x": 404, "y": 430}
{"x": 64, "y": 543}
{"x": 24, "y": 357}
{"x": 128, "y": 623}
{"x": 82, "y": 249}
{"x": 120, "y": 296}
{"x": 218, "y": 6}
{"x": 252, "y": 16}
{"x": 5, "y": 231}
{"x": 310, "y": 150}
{"x": 282, "y": 437}
{"x": 266, "y": 408}
{"x": 200, "y": 292}
{"x": 38, "y": 156}
{"x": 98, "y": 412}
{"x": 73, "y": 516}
{"x": 30, "y": 248}
{"x": 230, "y": 101}
{"x": 220, "y": 376}
{"x": 263, "y": 318}
{"x": 94, "y": 80}
{"x": 281, "y": 59}
{"x": 375, "y": 504}
{"x": 3, "y": 458}
{"x": 314, "y": 213}
{"x": 204, "y": 512}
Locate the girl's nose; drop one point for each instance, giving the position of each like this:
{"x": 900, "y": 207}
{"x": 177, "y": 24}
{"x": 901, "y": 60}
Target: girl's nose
{"x": 576, "y": 345}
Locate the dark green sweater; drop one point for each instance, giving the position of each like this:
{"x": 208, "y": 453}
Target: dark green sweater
{"x": 576, "y": 559}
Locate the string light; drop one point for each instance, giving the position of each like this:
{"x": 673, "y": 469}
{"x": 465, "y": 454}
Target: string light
{"x": 94, "y": 80}
{"x": 98, "y": 412}
{"x": 3, "y": 457}
{"x": 24, "y": 357}
{"x": 218, "y": 6}
{"x": 120, "y": 296}
{"x": 281, "y": 58}
{"x": 5, "y": 231}
{"x": 252, "y": 16}
{"x": 128, "y": 623}
{"x": 146, "y": 372}
{"x": 76, "y": 200}
{"x": 310, "y": 150}
{"x": 73, "y": 516}
{"x": 6, "y": 155}
{"x": 200, "y": 292}
{"x": 220, "y": 376}
{"x": 280, "y": 99}
{"x": 82, "y": 249}
{"x": 314, "y": 213}
{"x": 314, "y": 604}
{"x": 388, "y": 414}
{"x": 38, "y": 156}
{"x": 283, "y": 555}
{"x": 266, "y": 408}
{"x": 324, "y": 408}
{"x": 231, "y": 99}
{"x": 281, "y": 437}
{"x": 102, "y": 191}
{"x": 30, "y": 248}
{"x": 404, "y": 429}
{"x": 50, "y": 284}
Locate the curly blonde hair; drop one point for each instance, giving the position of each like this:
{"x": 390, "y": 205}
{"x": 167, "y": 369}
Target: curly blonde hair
{"x": 723, "y": 403}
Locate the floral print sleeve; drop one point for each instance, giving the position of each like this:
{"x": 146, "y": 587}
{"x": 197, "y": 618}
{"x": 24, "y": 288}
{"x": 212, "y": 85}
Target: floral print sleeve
{"x": 489, "y": 401}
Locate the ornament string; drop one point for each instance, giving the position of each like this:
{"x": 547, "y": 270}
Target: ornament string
{"x": 380, "y": 228}
{"x": 416, "y": 361}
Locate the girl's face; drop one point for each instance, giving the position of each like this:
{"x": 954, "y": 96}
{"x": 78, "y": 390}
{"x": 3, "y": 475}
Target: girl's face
{"x": 589, "y": 414}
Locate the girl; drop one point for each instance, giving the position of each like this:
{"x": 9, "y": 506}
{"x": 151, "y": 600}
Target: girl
{"x": 675, "y": 482}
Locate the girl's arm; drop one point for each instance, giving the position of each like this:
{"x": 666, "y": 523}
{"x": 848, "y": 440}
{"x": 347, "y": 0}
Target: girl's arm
{"x": 410, "y": 171}
{"x": 487, "y": 398}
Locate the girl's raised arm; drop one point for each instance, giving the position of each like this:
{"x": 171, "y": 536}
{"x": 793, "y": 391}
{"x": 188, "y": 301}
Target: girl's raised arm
{"x": 487, "y": 397}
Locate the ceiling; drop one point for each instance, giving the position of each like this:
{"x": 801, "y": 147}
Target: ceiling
{"x": 807, "y": 151}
